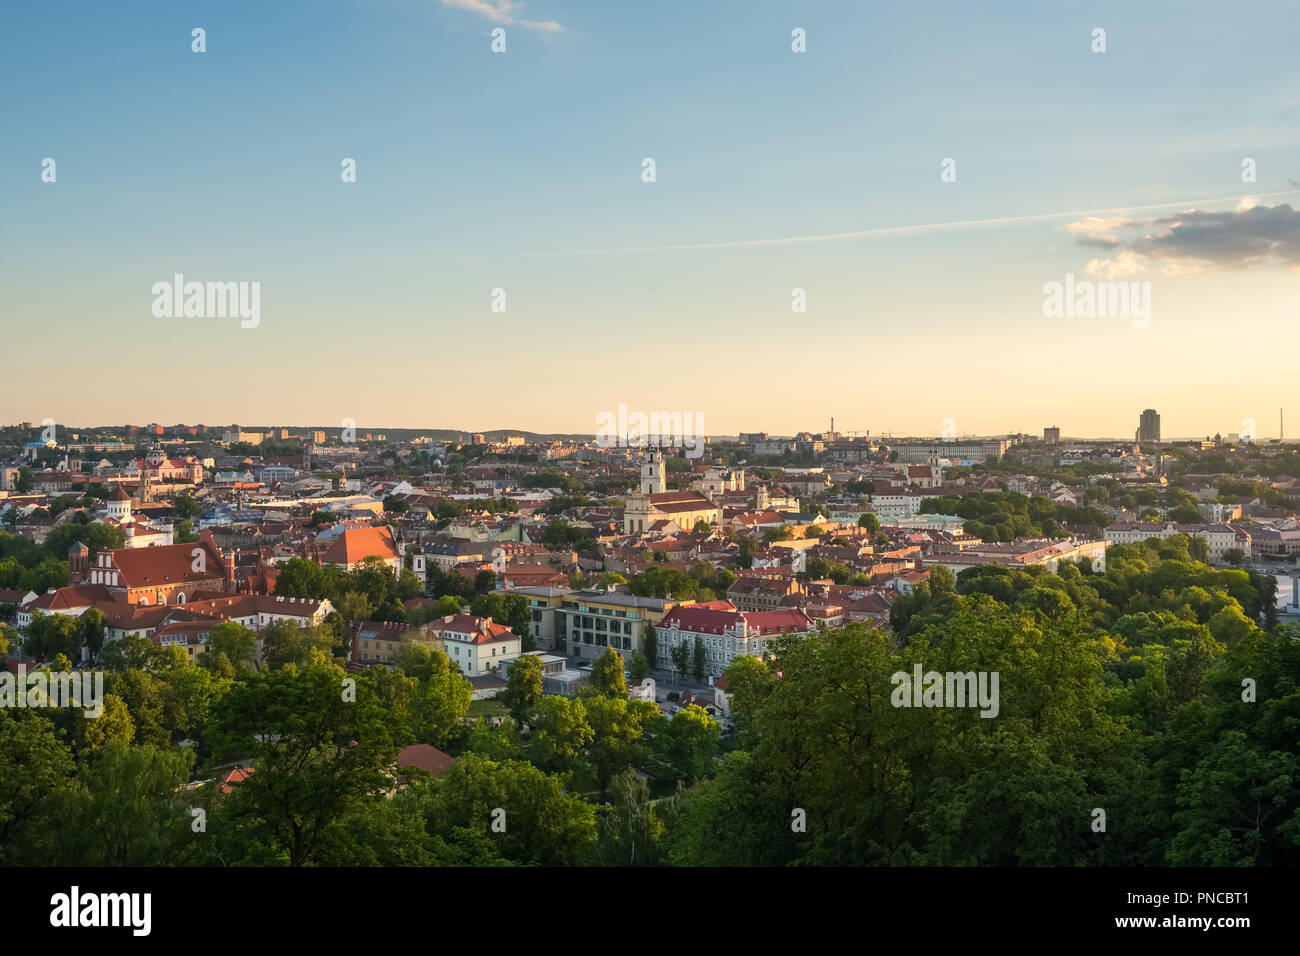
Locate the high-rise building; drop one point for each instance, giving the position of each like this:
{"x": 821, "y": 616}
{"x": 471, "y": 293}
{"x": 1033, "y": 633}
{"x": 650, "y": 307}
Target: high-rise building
{"x": 1149, "y": 426}
{"x": 1052, "y": 435}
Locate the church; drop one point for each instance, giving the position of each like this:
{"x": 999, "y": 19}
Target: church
{"x": 139, "y": 533}
{"x": 654, "y": 508}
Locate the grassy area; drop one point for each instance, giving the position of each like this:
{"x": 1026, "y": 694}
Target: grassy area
{"x": 486, "y": 708}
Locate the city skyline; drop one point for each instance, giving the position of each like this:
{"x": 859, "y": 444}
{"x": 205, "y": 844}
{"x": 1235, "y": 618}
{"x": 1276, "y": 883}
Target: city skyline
{"x": 1261, "y": 435}
{"x": 823, "y": 172}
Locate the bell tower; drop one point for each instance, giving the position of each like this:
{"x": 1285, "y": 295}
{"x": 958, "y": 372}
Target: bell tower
{"x": 653, "y": 473}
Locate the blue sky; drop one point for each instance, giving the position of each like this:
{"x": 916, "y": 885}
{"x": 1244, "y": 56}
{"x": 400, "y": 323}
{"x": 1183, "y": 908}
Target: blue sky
{"x": 478, "y": 171}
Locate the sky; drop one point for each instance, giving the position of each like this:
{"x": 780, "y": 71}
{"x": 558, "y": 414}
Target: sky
{"x": 774, "y": 170}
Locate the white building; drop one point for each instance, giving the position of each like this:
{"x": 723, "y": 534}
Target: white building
{"x": 477, "y": 644}
{"x": 1221, "y": 538}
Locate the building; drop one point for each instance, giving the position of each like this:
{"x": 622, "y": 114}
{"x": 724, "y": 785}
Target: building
{"x": 164, "y": 574}
{"x": 892, "y": 507}
{"x": 1023, "y": 554}
{"x": 651, "y": 507}
{"x": 1220, "y": 538}
{"x": 353, "y": 546}
{"x": 478, "y": 644}
{"x": 1052, "y": 435}
{"x": 587, "y": 622}
{"x": 1149, "y": 426}
{"x": 139, "y": 533}
{"x": 726, "y": 633}
{"x": 922, "y": 452}
{"x": 542, "y": 604}
{"x": 377, "y": 642}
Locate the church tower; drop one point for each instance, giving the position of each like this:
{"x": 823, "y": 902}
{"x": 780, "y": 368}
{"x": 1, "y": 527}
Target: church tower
{"x": 653, "y": 473}
{"x": 119, "y": 505}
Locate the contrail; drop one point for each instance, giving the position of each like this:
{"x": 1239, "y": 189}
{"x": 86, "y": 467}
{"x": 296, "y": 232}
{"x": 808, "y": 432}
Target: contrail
{"x": 867, "y": 233}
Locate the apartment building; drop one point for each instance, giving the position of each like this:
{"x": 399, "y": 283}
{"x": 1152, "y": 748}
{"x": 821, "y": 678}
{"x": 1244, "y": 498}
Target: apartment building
{"x": 1221, "y": 538}
{"x": 726, "y": 632}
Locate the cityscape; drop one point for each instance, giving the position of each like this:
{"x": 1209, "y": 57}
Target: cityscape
{"x": 601, "y": 617}
{"x": 781, "y": 437}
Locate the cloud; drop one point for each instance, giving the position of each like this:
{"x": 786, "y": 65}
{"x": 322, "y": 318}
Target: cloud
{"x": 503, "y": 11}
{"x": 1195, "y": 240}
{"x": 881, "y": 231}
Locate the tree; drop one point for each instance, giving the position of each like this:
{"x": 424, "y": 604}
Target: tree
{"x": 50, "y": 635}
{"x": 638, "y": 666}
{"x": 693, "y": 741}
{"x": 618, "y": 726}
{"x": 870, "y": 522}
{"x": 607, "y": 675}
{"x": 609, "y": 579}
{"x": 702, "y": 527}
{"x": 560, "y": 731}
{"x": 421, "y": 660}
{"x": 285, "y": 644}
{"x": 317, "y": 754}
{"x": 629, "y": 832}
{"x": 299, "y": 577}
{"x": 942, "y": 580}
{"x": 355, "y": 606}
{"x": 681, "y": 657}
{"x": 36, "y": 785}
{"x": 439, "y": 708}
{"x": 236, "y": 642}
{"x": 650, "y": 642}
{"x": 538, "y": 823}
{"x": 91, "y": 627}
{"x": 113, "y": 724}
{"x": 130, "y": 809}
{"x": 1234, "y": 556}
{"x": 143, "y": 695}
{"x": 698, "y": 664}
{"x": 523, "y": 687}
{"x": 936, "y": 785}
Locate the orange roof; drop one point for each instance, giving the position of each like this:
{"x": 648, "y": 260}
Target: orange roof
{"x": 357, "y": 544}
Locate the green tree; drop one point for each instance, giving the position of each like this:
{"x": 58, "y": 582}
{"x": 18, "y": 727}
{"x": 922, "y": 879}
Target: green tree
{"x": 631, "y": 831}
{"x": 560, "y": 731}
{"x": 523, "y": 686}
{"x": 36, "y": 787}
{"x": 316, "y": 753}
{"x": 607, "y": 675}
{"x": 524, "y": 813}
{"x": 236, "y": 642}
{"x": 697, "y": 665}
{"x": 692, "y": 737}
{"x": 618, "y": 729}
{"x": 439, "y": 708}
{"x": 130, "y": 810}
{"x": 638, "y": 666}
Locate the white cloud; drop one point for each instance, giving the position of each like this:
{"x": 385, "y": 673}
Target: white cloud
{"x": 504, "y": 12}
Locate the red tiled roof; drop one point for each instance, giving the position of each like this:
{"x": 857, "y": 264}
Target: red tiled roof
{"x": 483, "y": 629}
{"x": 166, "y": 564}
{"x": 426, "y": 757}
